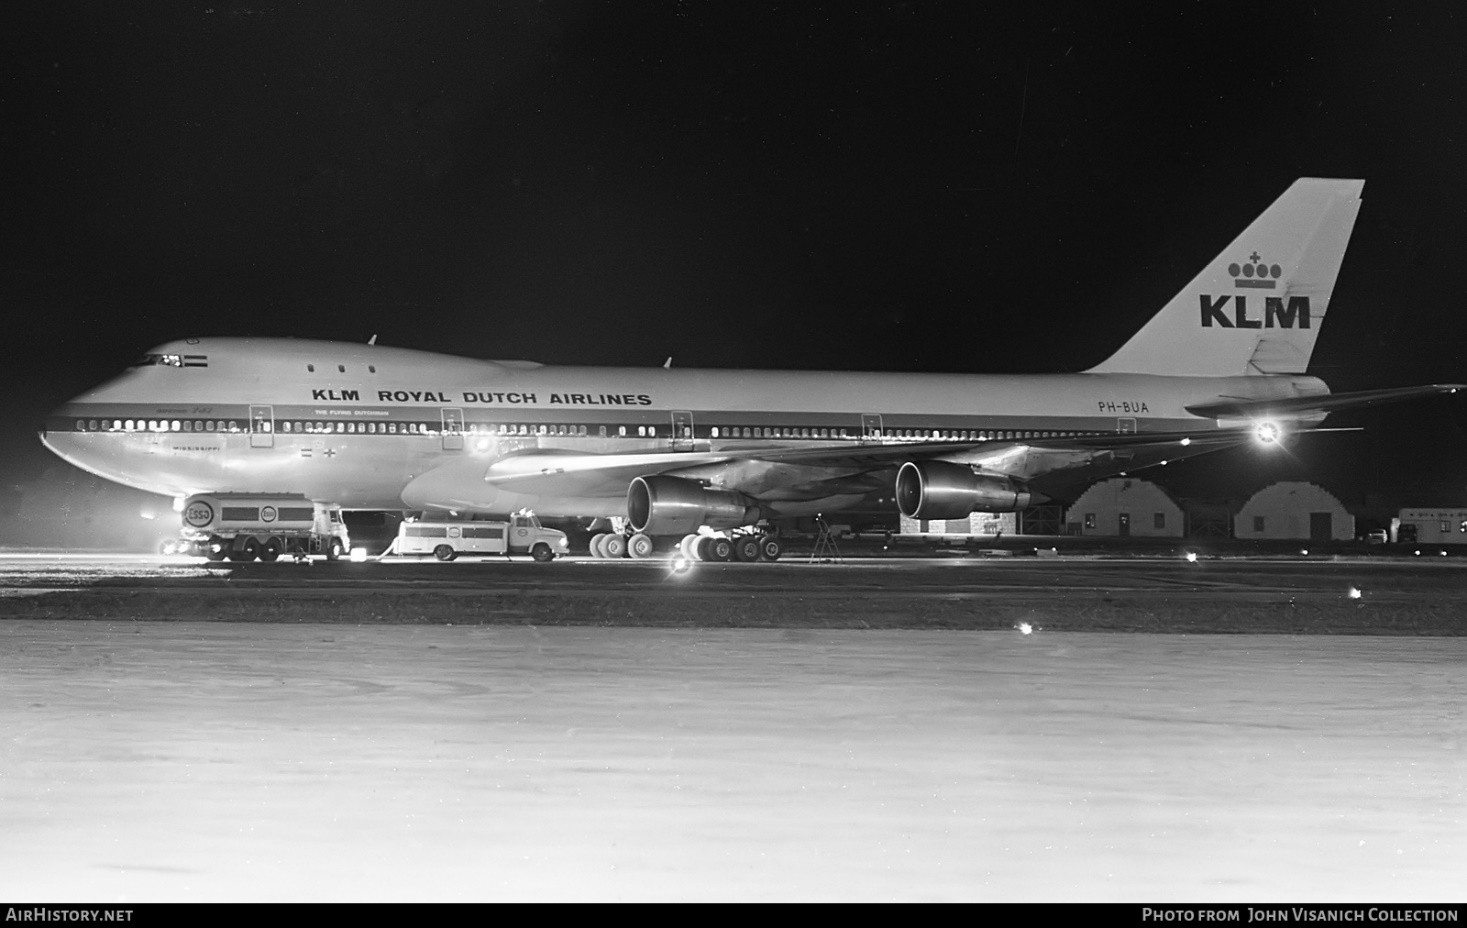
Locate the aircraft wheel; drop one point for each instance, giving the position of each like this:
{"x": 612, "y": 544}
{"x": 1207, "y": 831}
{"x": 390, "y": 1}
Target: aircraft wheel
{"x": 746, "y": 548}
{"x": 598, "y": 545}
{"x": 542, "y": 553}
{"x": 769, "y": 548}
{"x": 688, "y": 547}
{"x": 444, "y": 553}
{"x": 270, "y": 550}
{"x": 614, "y": 546}
{"x": 216, "y": 548}
{"x": 640, "y": 546}
{"x": 720, "y": 549}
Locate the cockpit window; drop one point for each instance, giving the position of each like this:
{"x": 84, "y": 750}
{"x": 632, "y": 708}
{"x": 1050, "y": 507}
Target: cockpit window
{"x": 167, "y": 360}
{"x": 172, "y": 360}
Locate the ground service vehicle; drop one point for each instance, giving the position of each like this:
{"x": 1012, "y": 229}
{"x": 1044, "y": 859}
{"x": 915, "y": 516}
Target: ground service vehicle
{"x": 247, "y": 526}
{"x": 523, "y": 534}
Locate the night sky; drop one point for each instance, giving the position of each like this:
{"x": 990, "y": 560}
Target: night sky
{"x": 918, "y": 187}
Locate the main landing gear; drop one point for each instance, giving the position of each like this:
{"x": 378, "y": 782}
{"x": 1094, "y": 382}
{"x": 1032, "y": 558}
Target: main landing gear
{"x": 754, "y": 546}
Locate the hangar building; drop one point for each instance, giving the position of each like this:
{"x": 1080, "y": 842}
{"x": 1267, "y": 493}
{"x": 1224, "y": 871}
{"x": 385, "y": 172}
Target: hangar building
{"x": 1125, "y": 507}
{"x": 1294, "y": 510}
{"x": 1434, "y": 526}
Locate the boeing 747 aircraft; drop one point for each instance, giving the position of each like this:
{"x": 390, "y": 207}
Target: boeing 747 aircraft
{"x": 668, "y": 452}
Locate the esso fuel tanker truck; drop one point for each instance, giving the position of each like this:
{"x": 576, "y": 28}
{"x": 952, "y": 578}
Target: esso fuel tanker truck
{"x": 248, "y": 526}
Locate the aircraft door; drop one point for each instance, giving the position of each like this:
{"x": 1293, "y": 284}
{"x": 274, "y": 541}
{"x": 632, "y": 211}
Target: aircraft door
{"x": 682, "y": 431}
{"x": 870, "y": 426}
{"x": 262, "y": 427}
{"x": 453, "y": 429}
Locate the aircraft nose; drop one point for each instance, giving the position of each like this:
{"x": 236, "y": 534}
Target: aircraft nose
{"x": 65, "y": 444}
{"x": 72, "y": 431}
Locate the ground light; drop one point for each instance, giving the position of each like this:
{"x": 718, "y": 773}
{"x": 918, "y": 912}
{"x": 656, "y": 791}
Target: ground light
{"x": 1191, "y": 557}
{"x": 358, "y": 555}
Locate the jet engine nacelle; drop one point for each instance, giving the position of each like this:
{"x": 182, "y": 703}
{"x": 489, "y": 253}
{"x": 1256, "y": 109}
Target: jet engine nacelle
{"x": 943, "y": 490}
{"x": 673, "y": 506}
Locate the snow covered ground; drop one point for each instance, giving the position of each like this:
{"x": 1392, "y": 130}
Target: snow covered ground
{"x": 218, "y": 761}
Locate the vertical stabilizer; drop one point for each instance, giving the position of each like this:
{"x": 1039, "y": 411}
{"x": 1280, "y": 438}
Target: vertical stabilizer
{"x": 1257, "y": 307}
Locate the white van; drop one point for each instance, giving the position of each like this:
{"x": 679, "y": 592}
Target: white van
{"x": 523, "y": 534}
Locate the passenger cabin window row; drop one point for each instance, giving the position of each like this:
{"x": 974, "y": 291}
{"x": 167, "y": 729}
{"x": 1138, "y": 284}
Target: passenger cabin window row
{"x": 158, "y": 425}
{"x": 552, "y": 430}
{"x": 901, "y": 434}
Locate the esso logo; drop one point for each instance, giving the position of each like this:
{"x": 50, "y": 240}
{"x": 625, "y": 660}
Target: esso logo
{"x": 198, "y": 514}
{"x": 267, "y": 514}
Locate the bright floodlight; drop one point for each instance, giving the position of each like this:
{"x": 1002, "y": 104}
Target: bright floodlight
{"x": 1191, "y": 557}
{"x": 1267, "y": 432}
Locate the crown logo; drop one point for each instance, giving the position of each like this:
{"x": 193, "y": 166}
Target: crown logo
{"x": 1255, "y": 275}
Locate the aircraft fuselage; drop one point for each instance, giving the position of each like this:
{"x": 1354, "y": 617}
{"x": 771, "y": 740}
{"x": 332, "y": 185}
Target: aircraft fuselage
{"x": 357, "y": 425}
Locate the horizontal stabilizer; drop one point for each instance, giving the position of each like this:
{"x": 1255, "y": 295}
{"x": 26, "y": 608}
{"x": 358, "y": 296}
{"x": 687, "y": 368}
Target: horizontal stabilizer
{"x": 1225, "y": 408}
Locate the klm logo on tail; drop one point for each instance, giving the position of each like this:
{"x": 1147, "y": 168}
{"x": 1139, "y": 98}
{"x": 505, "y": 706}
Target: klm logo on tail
{"x": 1255, "y": 275}
{"x": 1276, "y": 313}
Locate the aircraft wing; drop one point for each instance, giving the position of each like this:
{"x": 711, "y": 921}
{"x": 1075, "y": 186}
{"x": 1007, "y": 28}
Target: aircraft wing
{"x": 780, "y": 469}
{"x": 1231, "y": 408}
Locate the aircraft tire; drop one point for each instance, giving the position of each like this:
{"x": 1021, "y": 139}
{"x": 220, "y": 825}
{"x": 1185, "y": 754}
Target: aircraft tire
{"x": 639, "y": 546}
{"x": 598, "y": 545}
{"x": 720, "y": 549}
{"x": 614, "y": 546}
{"x": 746, "y": 548}
{"x": 769, "y": 548}
{"x": 444, "y": 553}
{"x": 688, "y": 548}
